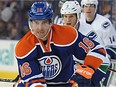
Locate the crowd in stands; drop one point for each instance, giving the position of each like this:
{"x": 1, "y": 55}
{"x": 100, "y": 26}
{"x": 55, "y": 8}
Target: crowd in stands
{"x": 14, "y": 20}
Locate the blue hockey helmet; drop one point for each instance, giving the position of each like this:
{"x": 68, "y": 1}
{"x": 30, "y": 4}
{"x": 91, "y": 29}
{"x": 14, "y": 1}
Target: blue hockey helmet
{"x": 40, "y": 11}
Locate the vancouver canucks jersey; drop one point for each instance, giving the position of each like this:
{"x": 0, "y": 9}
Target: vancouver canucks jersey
{"x": 88, "y": 31}
{"x": 103, "y": 28}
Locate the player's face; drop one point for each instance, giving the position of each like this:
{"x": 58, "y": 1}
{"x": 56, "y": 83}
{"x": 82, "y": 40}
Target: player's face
{"x": 40, "y": 28}
{"x": 70, "y": 19}
{"x": 90, "y": 11}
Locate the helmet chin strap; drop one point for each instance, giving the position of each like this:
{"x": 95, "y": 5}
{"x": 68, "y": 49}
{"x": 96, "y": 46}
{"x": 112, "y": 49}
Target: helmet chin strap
{"x": 78, "y": 17}
{"x": 75, "y": 24}
{"x": 29, "y": 25}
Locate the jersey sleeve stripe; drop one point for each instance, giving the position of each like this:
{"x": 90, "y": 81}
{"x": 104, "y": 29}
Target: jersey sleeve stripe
{"x": 43, "y": 81}
{"x": 93, "y": 61}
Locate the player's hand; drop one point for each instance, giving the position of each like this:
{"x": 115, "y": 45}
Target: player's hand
{"x": 82, "y": 76}
{"x": 80, "y": 80}
{"x": 75, "y": 84}
{"x": 85, "y": 71}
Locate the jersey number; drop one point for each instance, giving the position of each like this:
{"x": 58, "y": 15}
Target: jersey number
{"x": 25, "y": 69}
{"x": 86, "y": 44}
{"x": 112, "y": 39}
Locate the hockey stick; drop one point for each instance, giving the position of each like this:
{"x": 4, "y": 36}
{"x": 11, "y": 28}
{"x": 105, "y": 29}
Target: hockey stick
{"x": 5, "y": 80}
{"x": 109, "y": 69}
{"x": 9, "y": 80}
{"x": 113, "y": 61}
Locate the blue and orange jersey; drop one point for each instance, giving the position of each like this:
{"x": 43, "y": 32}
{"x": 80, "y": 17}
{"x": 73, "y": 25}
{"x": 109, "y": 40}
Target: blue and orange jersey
{"x": 41, "y": 63}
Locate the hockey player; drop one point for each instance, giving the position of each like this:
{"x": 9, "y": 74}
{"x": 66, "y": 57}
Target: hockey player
{"x": 100, "y": 24}
{"x": 70, "y": 12}
{"x": 44, "y": 54}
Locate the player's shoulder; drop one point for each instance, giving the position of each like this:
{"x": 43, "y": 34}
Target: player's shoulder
{"x": 86, "y": 26}
{"x": 102, "y": 18}
{"x": 25, "y": 45}
{"x": 105, "y": 22}
{"x": 64, "y": 34}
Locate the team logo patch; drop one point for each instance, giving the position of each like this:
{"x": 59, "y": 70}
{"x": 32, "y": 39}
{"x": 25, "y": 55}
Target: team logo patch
{"x": 92, "y": 35}
{"x": 51, "y": 66}
{"x": 39, "y": 10}
{"x": 106, "y": 24}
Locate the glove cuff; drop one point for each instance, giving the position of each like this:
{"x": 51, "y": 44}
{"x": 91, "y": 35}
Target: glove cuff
{"x": 85, "y": 71}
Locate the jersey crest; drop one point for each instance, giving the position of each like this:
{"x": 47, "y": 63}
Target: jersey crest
{"x": 106, "y": 24}
{"x": 92, "y": 35}
{"x": 51, "y": 66}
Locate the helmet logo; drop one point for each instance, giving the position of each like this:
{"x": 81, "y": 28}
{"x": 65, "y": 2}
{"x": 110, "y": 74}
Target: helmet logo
{"x": 67, "y": 6}
{"x": 39, "y": 10}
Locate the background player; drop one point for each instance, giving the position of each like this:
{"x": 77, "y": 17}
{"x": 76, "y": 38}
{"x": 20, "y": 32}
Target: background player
{"x": 100, "y": 24}
{"x": 70, "y": 12}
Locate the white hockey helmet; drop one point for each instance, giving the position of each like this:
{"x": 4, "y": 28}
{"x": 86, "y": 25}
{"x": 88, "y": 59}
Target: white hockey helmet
{"x": 71, "y": 7}
{"x": 85, "y": 2}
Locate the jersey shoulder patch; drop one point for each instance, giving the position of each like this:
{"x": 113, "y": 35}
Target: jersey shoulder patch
{"x": 92, "y": 35}
{"x": 64, "y": 35}
{"x": 106, "y": 24}
{"x": 25, "y": 45}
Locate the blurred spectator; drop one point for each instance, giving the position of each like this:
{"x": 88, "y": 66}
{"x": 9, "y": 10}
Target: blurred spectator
{"x": 114, "y": 13}
{"x": 106, "y": 10}
{"x": 58, "y": 19}
{"x": 14, "y": 34}
{"x": 1, "y": 5}
{"x": 7, "y": 12}
{"x": 24, "y": 28}
{"x": 3, "y": 30}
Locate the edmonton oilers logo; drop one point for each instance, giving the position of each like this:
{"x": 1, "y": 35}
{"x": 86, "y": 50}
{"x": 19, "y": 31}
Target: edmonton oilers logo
{"x": 51, "y": 66}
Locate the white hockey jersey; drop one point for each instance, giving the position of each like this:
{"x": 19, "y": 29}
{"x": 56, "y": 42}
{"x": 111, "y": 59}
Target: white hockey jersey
{"x": 103, "y": 28}
{"x": 88, "y": 31}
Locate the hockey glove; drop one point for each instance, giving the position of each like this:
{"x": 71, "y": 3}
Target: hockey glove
{"x": 82, "y": 76}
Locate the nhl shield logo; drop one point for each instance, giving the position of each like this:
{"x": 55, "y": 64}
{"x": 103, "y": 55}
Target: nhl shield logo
{"x": 51, "y": 66}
